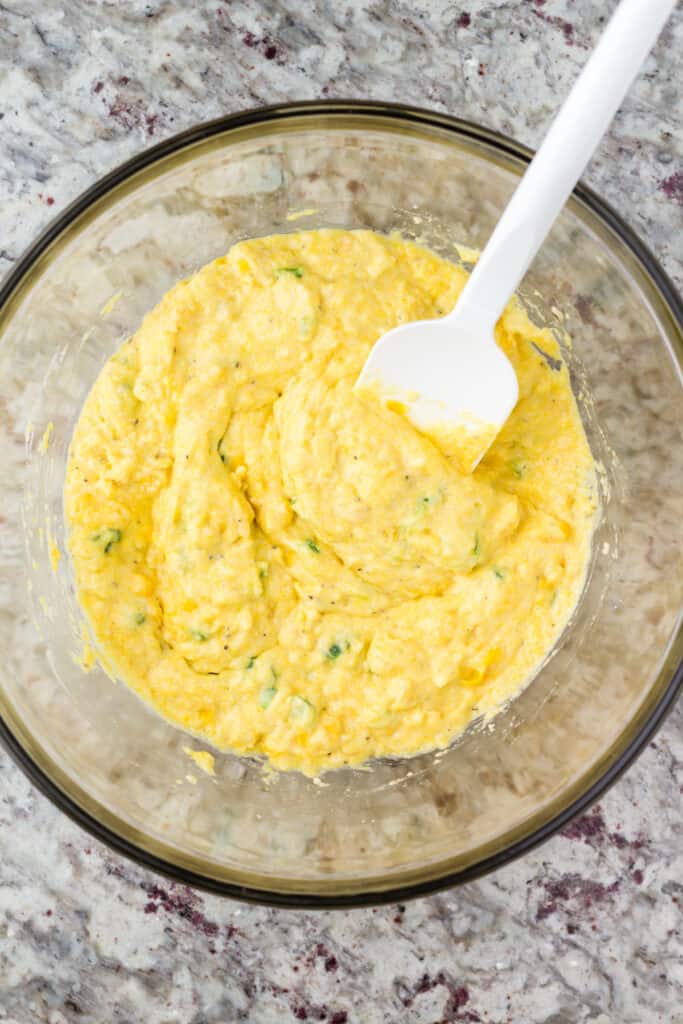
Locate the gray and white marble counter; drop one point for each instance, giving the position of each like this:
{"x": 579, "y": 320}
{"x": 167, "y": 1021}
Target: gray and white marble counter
{"x": 589, "y": 927}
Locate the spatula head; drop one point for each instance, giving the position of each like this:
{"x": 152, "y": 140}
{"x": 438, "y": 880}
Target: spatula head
{"x": 456, "y": 388}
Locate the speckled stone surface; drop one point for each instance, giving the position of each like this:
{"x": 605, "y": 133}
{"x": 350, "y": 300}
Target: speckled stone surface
{"x": 587, "y": 928}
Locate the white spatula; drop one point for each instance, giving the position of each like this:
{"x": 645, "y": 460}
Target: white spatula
{"x": 449, "y": 375}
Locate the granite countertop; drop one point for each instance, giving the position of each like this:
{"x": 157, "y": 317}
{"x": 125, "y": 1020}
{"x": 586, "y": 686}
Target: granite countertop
{"x": 588, "y": 927}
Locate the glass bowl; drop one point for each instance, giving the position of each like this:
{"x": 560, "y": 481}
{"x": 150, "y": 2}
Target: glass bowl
{"x": 398, "y": 827}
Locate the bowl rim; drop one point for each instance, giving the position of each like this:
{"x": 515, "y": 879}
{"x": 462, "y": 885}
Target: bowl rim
{"x": 621, "y": 760}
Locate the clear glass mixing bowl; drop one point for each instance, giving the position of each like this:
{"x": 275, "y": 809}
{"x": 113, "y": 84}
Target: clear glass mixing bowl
{"x": 398, "y": 827}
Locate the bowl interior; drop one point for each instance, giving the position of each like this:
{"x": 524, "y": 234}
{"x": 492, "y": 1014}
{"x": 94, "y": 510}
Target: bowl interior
{"x": 395, "y": 823}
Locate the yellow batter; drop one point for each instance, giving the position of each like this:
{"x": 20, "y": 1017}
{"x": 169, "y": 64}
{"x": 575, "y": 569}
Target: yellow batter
{"x": 287, "y": 569}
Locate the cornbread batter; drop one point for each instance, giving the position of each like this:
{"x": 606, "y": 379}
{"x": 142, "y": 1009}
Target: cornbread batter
{"x": 288, "y": 569}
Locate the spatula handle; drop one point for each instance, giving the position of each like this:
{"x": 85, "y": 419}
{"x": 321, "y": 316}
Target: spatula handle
{"x": 566, "y": 149}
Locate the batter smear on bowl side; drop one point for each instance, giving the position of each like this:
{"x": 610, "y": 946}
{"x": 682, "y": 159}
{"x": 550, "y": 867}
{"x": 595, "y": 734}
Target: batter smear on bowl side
{"x": 286, "y": 568}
